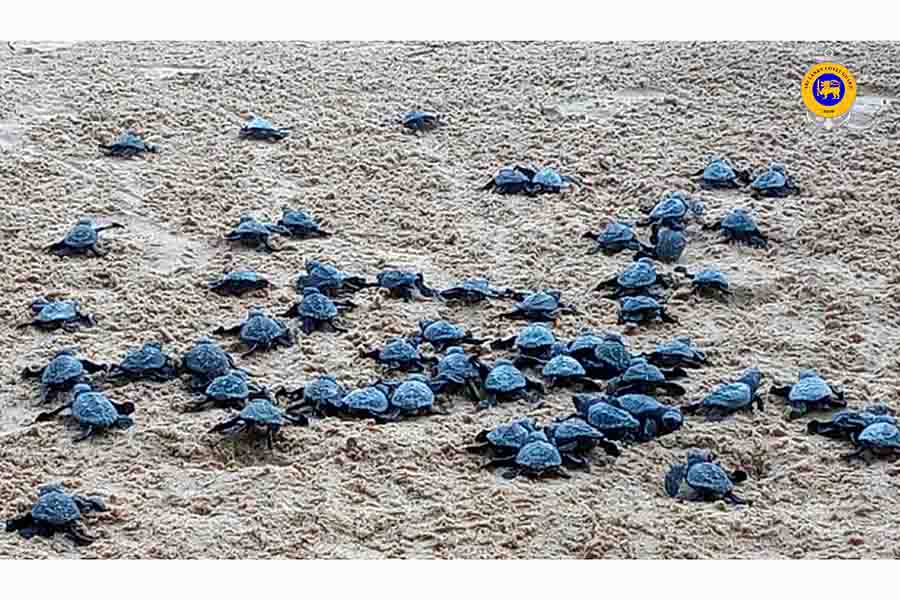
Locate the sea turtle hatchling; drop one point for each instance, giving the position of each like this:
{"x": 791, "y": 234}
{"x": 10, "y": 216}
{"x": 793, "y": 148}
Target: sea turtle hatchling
{"x": 238, "y": 283}
{"x": 457, "y": 370}
{"x": 301, "y": 225}
{"x": 503, "y": 441}
{"x": 504, "y": 382}
{"x": 738, "y": 226}
{"x": 55, "y": 314}
{"x": 323, "y": 395}
{"x": 511, "y": 180}
{"x": 615, "y": 238}
{"x": 260, "y": 415}
{"x": 231, "y": 390}
{"x": 847, "y": 423}
{"x": 82, "y": 238}
{"x": 666, "y": 245}
{"x": 62, "y": 373}
{"x": 421, "y": 120}
{"x": 255, "y": 234}
{"x": 605, "y": 357}
{"x": 536, "y": 458}
{"x": 57, "y": 512}
{"x": 147, "y": 362}
{"x": 540, "y": 306}
{"x": 701, "y": 478}
{"x": 880, "y": 439}
{"x": 258, "y": 128}
{"x": 548, "y": 180}
{"x": 329, "y": 280}
{"x": 205, "y": 361}
{"x": 774, "y": 182}
{"x": 574, "y": 438}
{"x": 369, "y": 402}
{"x": 677, "y": 352}
{"x": 654, "y": 418}
{"x": 93, "y": 411}
{"x": 403, "y": 284}
{"x": 534, "y": 344}
{"x": 641, "y": 377}
{"x": 475, "y": 290}
{"x": 640, "y": 278}
{"x": 707, "y": 282}
{"x": 317, "y": 311}
{"x": 259, "y": 332}
{"x": 721, "y": 174}
{"x": 673, "y": 211}
{"x": 614, "y": 423}
{"x": 565, "y": 370}
{"x": 442, "y": 334}
{"x": 398, "y": 354}
{"x": 728, "y": 398}
{"x": 128, "y": 144}
{"x": 410, "y": 397}
{"x": 642, "y": 309}
{"x": 811, "y": 392}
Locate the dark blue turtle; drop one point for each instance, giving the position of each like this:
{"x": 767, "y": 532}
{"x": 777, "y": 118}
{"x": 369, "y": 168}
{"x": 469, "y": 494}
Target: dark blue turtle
{"x": 655, "y": 419}
{"x": 728, "y": 398}
{"x": 93, "y": 411}
{"x": 533, "y": 344}
{"x": 300, "y": 224}
{"x": 738, "y": 226}
{"x": 504, "y": 382}
{"x": 403, "y": 284}
{"x": 329, "y": 280}
{"x": 443, "y": 334}
{"x": 53, "y": 314}
{"x": 811, "y": 392}
{"x": 537, "y": 458}
{"x": 666, "y": 245}
{"x": 774, "y": 183}
{"x": 205, "y": 361}
{"x": 421, "y": 120}
{"x": 641, "y": 309}
{"x": 548, "y": 180}
{"x": 540, "y": 306}
{"x": 473, "y": 291}
{"x": 614, "y": 423}
{"x": 708, "y": 282}
{"x": 258, "y": 128}
{"x": 673, "y": 211}
{"x": 82, "y": 239}
{"x": 615, "y": 238}
{"x": 147, "y": 362}
{"x": 565, "y": 370}
{"x": 370, "y": 402}
{"x": 238, "y": 283}
{"x": 399, "y": 354}
{"x": 260, "y": 415}
{"x": 503, "y": 441}
{"x": 62, "y": 373}
{"x": 847, "y": 423}
{"x": 128, "y": 144}
{"x": 323, "y": 395}
{"x": 606, "y": 357}
{"x": 574, "y": 438}
{"x": 411, "y": 397}
{"x": 231, "y": 390}
{"x": 317, "y": 311}
{"x": 255, "y": 234}
{"x": 511, "y": 180}
{"x": 879, "y": 439}
{"x": 640, "y": 278}
{"x": 457, "y": 370}
{"x": 721, "y": 174}
{"x": 701, "y": 478}
{"x": 641, "y": 377}
{"x": 57, "y": 512}
{"x": 259, "y": 332}
{"x": 677, "y": 352}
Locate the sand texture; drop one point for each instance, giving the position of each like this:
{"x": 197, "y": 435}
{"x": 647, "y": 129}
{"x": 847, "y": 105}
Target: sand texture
{"x": 633, "y": 119}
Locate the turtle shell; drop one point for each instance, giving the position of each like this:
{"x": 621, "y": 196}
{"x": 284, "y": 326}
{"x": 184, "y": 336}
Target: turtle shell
{"x": 511, "y": 435}
{"x": 711, "y": 278}
{"x": 55, "y": 508}
{"x": 608, "y": 419}
{"x": 642, "y": 371}
{"x": 321, "y": 276}
{"x": 641, "y": 274}
{"x": 612, "y": 353}
{"x": 563, "y": 366}
{"x": 94, "y": 408}
{"x": 262, "y": 412}
{"x": 397, "y": 279}
{"x": 418, "y": 119}
{"x": 369, "y": 400}
{"x": 456, "y": 365}
{"x": 206, "y": 358}
{"x": 398, "y": 350}
{"x": 572, "y": 430}
{"x": 317, "y": 305}
{"x": 511, "y": 177}
{"x": 129, "y": 139}
{"x": 540, "y": 301}
{"x": 505, "y": 378}
{"x": 251, "y": 228}
{"x": 232, "y": 386}
{"x": 259, "y": 124}
{"x": 538, "y": 454}
{"x": 82, "y": 235}
{"x": 719, "y": 171}
{"x": 635, "y": 305}
{"x": 880, "y": 436}
{"x": 324, "y": 391}
{"x": 442, "y": 332}
{"x": 548, "y": 178}
{"x": 242, "y": 277}
{"x": 616, "y": 234}
{"x": 63, "y": 368}
{"x": 58, "y": 310}
{"x": 260, "y": 328}
{"x": 535, "y": 337}
{"x": 298, "y": 219}
{"x": 679, "y": 348}
{"x": 810, "y": 389}
{"x": 729, "y": 396}
{"x": 670, "y": 245}
{"x": 149, "y": 358}
{"x": 775, "y": 177}
{"x": 673, "y": 207}
{"x": 413, "y": 394}
{"x": 738, "y": 220}
{"x": 637, "y": 405}
{"x": 584, "y": 344}
{"x": 709, "y": 478}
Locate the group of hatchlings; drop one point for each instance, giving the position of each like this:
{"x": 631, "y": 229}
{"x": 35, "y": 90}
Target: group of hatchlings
{"x": 615, "y": 389}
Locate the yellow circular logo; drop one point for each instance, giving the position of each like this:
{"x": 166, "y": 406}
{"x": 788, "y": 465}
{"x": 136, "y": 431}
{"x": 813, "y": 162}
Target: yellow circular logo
{"x": 829, "y": 90}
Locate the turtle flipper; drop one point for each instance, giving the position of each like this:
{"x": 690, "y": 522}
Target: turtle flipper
{"x": 674, "y": 479}
{"x": 50, "y": 415}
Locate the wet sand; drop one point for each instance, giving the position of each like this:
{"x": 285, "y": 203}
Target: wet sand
{"x": 634, "y": 119}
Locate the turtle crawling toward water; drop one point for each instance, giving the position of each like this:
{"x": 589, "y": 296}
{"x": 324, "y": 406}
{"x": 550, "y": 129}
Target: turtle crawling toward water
{"x": 707, "y": 282}
{"x": 811, "y": 392}
{"x": 421, "y": 120}
{"x": 642, "y": 309}
{"x": 57, "y": 512}
{"x": 258, "y": 128}
{"x": 323, "y": 395}
{"x": 442, "y": 334}
{"x": 238, "y": 283}
{"x": 504, "y": 382}
{"x": 847, "y": 424}
{"x": 128, "y": 144}
{"x": 62, "y": 373}
{"x": 53, "y": 314}
{"x": 231, "y": 390}
{"x": 774, "y": 183}
{"x": 615, "y": 238}
{"x": 639, "y": 279}
{"x": 529, "y": 180}
{"x": 147, "y": 362}
{"x": 205, "y": 361}
{"x": 603, "y": 356}
{"x": 82, "y": 238}
{"x": 455, "y": 371}
{"x": 574, "y": 438}
{"x": 729, "y": 398}
{"x": 254, "y": 234}
{"x": 93, "y": 411}
{"x": 330, "y": 280}
{"x": 317, "y": 311}
{"x": 881, "y": 439}
{"x": 301, "y": 225}
{"x": 411, "y": 397}
{"x": 641, "y": 377}
{"x": 534, "y": 344}
{"x": 613, "y": 422}
{"x": 666, "y": 245}
{"x": 260, "y": 416}
{"x": 565, "y": 370}
{"x": 673, "y": 211}
{"x": 540, "y": 306}
{"x": 536, "y": 458}
{"x": 403, "y": 284}
{"x": 654, "y": 418}
{"x": 398, "y": 354}
{"x": 738, "y": 226}
{"x": 701, "y": 478}
{"x": 475, "y": 290}
{"x": 677, "y": 352}
{"x": 503, "y": 441}
{"x": 721, "y": 174}
{"x": 259, "y": 332}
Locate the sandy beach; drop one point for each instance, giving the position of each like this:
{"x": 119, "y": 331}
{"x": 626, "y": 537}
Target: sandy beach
{"x": 634, "y": 120}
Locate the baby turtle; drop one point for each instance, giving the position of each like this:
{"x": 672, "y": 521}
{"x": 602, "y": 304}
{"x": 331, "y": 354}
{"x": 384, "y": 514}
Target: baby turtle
{"x": 534, "y": 344}
{"x": 666, "y": 245}
{"x": 549, "y": 181}
{"x": 259, "y": 332}
{"x": 721, "y": 174}
{"x": 677, "y": 352}
{"x": 323, "y": 395}
{"x": 615, "y": 238}
{"x": 257, "y": 416}
{"x": 260, "y": 129}
{"x": 205, "y": 361}
{"x": 371, "y": 402}
{"x": 641, "y": 309}
{"x": 540, "y": 306}
{"x": 81, "y": 239}
{"x": 503, "y": 441}
{"x": 811, "y": 392}
{"x": 504, "y": 382}
{"x": 700, "y": 478}
{"x": 673, "y": 211}
{"x": 728, "y": 398}
{"x": 57, "y": 512}
{"x": 300, "y": 224}
{"x": 564, "y": 370}
{"x": 238, "y": 283}
{"x": 456, "y": 370}
{"x": 53, "y": 314}
{"x": 644, "y": 378}
{"x": 421, "y": 120}
{"x": 443, "y": 334}
{"x": 231, "y": 390}
{"x": 128, "y": 144}
{"x": 574, "y": 438}
{"x": 707, "y": 281}
{"x": 93, "y": 411}
{"x": 398, "y": 354}
{"x": 654, "y": 418}
{"x": 639, "y": 279}
{"x": 255, "y": 234}
{"x": 604, "y": 357}
{"x": 774, "y": 183}
{"x": 317, "y": 311}
{"x": 511, "y": 180}
{"x": 62, "y": 373}
{"x": 738, "y": 226}
{"x": 411, "y": 397}
{"x": 537, "y": 458}
{"x": 473, "y": 291}
{"x": 148, "y": 362}
{"x": 403, "y": 284}
{"x": 846, "y": 424}
{"x": 614, "y": 423}
{"x": 329, "y": 280}
{"x": 880, "y": 439}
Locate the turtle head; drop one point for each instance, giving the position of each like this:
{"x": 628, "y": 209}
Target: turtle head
{"x": 777, "y": 166}
{"x": 752, "y": 377}
{"x": 81, "y": 388}
{"x": 583, "y": 402}
{"x": 699, "y": 455}
{"x": 672, "y": 420}
{"x": 86, "y": 221}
